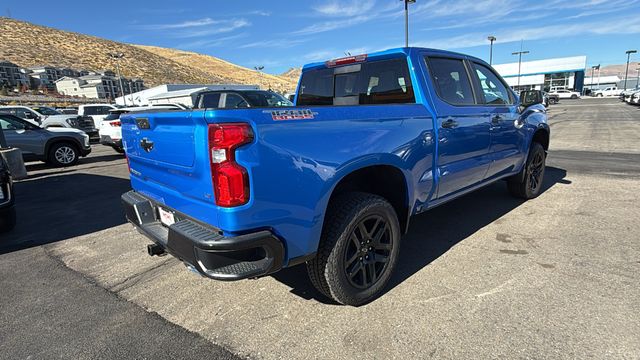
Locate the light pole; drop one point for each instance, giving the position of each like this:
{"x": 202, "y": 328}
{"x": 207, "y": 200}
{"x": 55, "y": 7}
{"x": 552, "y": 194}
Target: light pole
{"x": 637, "y": 77}
{"x": 406, "y": 21}
{"x": 519, "y": 53}
{"x": 626, "y": 72}
{"x": 491, "y": 39}
{"x": 117, "y": 57}
{"x": 259, "y": 70}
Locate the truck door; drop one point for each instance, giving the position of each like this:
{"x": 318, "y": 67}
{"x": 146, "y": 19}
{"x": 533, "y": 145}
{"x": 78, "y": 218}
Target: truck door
{"x": 507, "y": 140}
{"x": 463, "y": 127}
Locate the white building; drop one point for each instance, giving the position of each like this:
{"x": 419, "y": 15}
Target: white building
{"x": 144, "y": 97}
{"x": 560, "y": 73}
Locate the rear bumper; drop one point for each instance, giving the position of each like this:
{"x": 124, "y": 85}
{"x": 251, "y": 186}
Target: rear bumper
{"x": 203, "y": 247}
{"x": 108, "y": 141}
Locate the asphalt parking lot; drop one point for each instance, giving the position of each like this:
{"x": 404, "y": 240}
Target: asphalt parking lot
{"x": 485, "y": 276}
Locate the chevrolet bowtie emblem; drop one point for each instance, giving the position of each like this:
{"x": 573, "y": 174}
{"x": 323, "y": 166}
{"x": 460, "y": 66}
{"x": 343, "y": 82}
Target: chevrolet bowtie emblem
{"x": 146, "y": 144}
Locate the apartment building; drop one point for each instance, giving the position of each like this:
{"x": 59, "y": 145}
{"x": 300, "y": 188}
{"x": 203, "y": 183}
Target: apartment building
{"x": 10, "y": 75}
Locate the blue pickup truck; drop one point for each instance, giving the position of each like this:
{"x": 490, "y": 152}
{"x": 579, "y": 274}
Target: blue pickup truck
{"x": 333, "y": 181}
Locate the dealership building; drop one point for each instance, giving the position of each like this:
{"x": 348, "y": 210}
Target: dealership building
{"x": 559, "y": 73}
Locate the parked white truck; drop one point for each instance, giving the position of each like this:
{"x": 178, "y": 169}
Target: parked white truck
{"x": 610, "y": 91}
{"x": 97, "y": 112}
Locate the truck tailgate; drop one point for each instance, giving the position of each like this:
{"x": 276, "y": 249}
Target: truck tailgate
{"x": 168, "y": 158}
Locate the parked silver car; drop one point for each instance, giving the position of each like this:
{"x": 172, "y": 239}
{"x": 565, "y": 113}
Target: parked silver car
{"x": 47, "y": 117}
{"x": 56, "y": 146}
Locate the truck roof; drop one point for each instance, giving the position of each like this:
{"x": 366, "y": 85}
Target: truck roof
{"x": 406, "y": 51}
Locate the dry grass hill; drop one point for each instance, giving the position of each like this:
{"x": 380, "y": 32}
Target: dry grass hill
{"x": 28, "y": 45}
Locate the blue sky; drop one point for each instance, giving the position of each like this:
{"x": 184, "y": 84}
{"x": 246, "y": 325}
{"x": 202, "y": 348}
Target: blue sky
{"x": 279, "y": 34}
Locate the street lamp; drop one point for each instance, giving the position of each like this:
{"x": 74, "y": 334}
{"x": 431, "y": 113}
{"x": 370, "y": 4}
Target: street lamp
{"x": 626, "y": 72}
{"x": 406, "y": 21}
{"x": 519, "y": 53}
{"x": 593, "y": 68}
{"x": 491, "y": 39}
{"x": 117, "y": 57}
{"x": 259, "y": 70}
{"x": 637, "y": 77}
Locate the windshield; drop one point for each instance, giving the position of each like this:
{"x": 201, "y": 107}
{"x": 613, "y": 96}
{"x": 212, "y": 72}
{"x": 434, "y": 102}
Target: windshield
{"x": 46, "y": 111}
{"x": 266, "y": 99}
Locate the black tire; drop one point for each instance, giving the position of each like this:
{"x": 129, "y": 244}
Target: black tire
{"x": 348, "y": 244}
{"x": 7, "y": 219}
{"x": 119, "y": 150}
{"x": 528, "y": 184}
{"x": 63, "y": 154}
{"x": 552, "y": 101}
{"x": 574, "y": 96}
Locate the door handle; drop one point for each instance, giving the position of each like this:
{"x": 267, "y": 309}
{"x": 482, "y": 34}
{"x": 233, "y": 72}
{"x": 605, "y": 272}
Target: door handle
{"x": 449, "y": 124}
{"x": 496, "y": 119}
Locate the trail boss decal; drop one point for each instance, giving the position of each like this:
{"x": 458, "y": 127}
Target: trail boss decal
{"x": 291, "y": 114}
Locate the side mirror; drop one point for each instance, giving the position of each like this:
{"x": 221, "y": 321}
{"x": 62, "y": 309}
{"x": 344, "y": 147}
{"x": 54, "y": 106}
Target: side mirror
{"x": 531, "y": 97}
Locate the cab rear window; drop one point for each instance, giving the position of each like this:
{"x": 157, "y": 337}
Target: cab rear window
{"x": 374, "y": 82}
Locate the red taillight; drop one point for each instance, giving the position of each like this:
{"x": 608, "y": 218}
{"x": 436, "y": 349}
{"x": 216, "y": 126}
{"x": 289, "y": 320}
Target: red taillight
{"x": 230, "y": 180}
{"x": 347, "y": 60}
{"x": 115, "y": 123}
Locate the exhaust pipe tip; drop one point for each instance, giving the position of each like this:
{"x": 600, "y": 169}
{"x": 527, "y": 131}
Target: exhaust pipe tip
{"x": 155, "y": 250}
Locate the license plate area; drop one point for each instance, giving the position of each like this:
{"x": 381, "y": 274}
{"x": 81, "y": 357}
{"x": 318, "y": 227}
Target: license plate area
{"x": 167, "y": 218}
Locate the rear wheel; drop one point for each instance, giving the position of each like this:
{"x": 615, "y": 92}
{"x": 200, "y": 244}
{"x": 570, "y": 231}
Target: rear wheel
{"x": 528, "y": 185}
{"x": 574, "y": 96}
{"x": 358, "y": 249}
{"x": 7, "y": 219}
{"x": 63, "y": 154}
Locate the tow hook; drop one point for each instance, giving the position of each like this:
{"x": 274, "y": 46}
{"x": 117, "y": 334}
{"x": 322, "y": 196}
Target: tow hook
{"x": 155, "y": 250}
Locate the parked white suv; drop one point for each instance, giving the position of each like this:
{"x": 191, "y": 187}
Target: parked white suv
{"x": 97, "y": 111}
{"x": 610, "y": 91}
{"x": 111, "y": 128}
{"x": 566, "y": 94}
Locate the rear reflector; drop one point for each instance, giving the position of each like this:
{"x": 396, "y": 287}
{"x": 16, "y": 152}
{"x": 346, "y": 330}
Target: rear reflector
{"x": 230, "y": 180}
{"x": 346, "y": 60}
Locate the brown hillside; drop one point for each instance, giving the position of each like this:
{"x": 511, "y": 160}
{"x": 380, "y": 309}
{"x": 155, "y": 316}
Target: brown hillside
{"x": 293, "y": 74}
{"x": 616, "y": 70}
{"x": 28, "y": 45}
{"x": 230, "y": 72}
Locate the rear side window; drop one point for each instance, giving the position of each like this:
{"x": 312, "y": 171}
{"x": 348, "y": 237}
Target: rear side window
{"x": 494, "y": 91}
{"x": 97, "y": 110}
{"x": 375, "y": 82}
{"x": 210, "y": 101}
{"x": 235, "y": 101}
{"x": 316, "y": 88}
{"x": 451, "y": 80}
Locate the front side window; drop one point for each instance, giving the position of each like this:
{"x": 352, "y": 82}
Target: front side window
{"x": 494, "y": 91}
{"x": 374, "y": 82}
{"x": 7, "y": 123}
{"x": 451, "y": 81}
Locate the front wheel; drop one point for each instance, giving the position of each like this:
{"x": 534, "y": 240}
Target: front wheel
{"x": 63, "y": 154}
{"x": 358, "y": 249}
{"x": 528, "y": 185}
{"x": 574, "y": 96}
{"x": 552, "y": 101}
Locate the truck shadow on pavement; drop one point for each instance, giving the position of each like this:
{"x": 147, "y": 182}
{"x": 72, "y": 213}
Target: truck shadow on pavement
{"x": 434, "y": 232}
{"x": 60, "y": 207}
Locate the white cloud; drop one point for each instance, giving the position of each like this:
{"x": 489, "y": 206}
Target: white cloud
{"x": 628, "y": 25}
{"x": 275, "y": 43}
{"x": 345, "y": 8}
{"x": 183, "y": 25}
{"x": 221, "y": 27}
{"x": 260, "y": 13}
{"x": 209, "y": 43}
